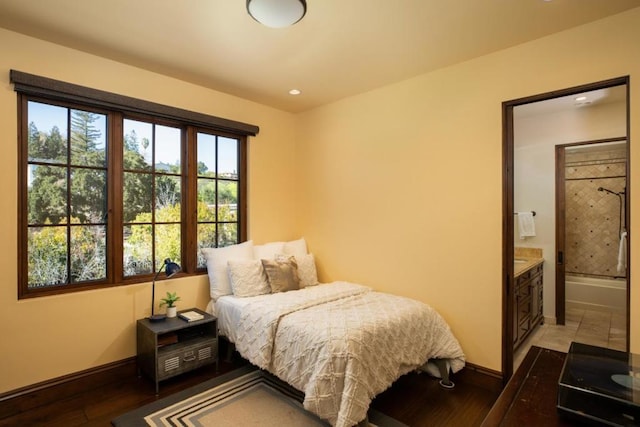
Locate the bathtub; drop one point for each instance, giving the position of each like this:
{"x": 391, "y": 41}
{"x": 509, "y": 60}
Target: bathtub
{"x": 594, "y": 293}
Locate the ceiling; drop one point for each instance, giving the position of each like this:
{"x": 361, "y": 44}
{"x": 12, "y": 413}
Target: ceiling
{"x": 340, "y": 48}
{"x": 593, "y": 98}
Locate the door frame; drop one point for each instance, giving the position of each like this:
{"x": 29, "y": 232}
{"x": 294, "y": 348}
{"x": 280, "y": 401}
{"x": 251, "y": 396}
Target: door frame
{"x": 507, "y": 207}
{"x": 560, "y": 151}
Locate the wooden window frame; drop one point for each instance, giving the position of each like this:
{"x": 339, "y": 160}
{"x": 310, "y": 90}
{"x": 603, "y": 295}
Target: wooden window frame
{"x": 118, "y": 108}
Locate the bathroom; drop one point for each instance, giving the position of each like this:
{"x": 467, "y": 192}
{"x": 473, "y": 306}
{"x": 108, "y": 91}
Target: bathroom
{"x": 572, "y": 152}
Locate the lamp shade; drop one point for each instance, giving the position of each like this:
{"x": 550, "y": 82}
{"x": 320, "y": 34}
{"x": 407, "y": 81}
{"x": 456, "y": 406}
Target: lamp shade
{"x": 277, "y": 13}
{"x": 171, "y": 269}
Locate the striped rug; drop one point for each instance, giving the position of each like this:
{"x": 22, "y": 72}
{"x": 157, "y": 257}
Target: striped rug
{"x": 244, "y": 397}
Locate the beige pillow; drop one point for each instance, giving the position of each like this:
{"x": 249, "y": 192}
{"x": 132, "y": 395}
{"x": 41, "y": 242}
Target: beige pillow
{"x": 306, "y": 269}
{"x": 282, "y": 274}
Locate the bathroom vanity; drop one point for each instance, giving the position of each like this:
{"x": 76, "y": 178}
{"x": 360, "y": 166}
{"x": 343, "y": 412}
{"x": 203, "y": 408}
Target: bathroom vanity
{"x": 528, "y": 294}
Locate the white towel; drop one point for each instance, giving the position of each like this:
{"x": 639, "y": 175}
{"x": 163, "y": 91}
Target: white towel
{"x": 622, "y": 254}
{"x": 527, "y": 226}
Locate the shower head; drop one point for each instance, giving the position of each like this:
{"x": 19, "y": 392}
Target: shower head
{"x": 609, "y": 191}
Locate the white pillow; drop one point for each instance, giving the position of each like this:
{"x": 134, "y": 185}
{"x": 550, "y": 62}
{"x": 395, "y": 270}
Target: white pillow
{"x": 307, "y": 272}
{"x": 268, "y": 250}
{"x": 295, "y": 247}
{"x": 217, "y": 259}
{"x": 248, "y": 278}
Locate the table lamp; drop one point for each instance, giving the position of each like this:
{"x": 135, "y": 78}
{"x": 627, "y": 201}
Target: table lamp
{"x": 171, "y": 270}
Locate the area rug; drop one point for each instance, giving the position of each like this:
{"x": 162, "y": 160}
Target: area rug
{"x": 244, "y": 397}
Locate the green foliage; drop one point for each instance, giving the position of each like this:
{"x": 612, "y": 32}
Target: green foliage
{"x": 228, "y": 192}
{"x": 50, "y": 147}
{"x": 47, "y": 256}
{"x": 170, "y": 299}
{"x": 167, "y": 191}
{"x": 85, "y": 138}
{"x": 88, "y": 253}
{"x": 47, "y": 195}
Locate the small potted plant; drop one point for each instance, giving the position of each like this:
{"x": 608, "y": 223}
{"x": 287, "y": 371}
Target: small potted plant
{"x": 170, "y": 301}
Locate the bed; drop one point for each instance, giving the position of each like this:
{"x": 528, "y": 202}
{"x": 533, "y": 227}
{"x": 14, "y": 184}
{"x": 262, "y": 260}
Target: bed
{"x": 340, "y": 343}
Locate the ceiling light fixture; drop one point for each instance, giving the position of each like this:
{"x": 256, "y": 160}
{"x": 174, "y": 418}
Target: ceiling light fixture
{"x": 294, "y": 92}
{"x": 277, "y": 13}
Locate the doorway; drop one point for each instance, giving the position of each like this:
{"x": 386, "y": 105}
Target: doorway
{"x": 538, "y": 180}
{"x": 591, "y": 236}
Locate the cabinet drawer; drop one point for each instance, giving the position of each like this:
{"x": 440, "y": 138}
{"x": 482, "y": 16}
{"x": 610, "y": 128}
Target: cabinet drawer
{"x": 523, "y": 278}
{"x": 524, "y": 290}
{"x": 524, "y": 310}
{"x": 180, "y": 358}
{"x": 537, "y": 282}
{"x": 536, "y": 270}
{"x": 523, "y": 329}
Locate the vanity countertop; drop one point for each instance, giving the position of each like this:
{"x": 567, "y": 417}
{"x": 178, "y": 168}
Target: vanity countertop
{"x": 524, "y": 259}
{"x": 524, "y": 264}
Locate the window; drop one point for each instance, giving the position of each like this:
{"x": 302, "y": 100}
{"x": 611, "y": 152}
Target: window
{"x": 151, "y": 199}
{"x": 66, "y": 199}
{"x": 217, "y": 191}
{"x": 108, "y": 193}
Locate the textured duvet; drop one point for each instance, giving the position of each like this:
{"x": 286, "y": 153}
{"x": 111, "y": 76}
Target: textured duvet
{"x": 342, "y": 344}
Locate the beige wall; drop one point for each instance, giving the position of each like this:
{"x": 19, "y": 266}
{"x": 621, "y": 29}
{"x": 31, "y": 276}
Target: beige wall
{"x": 45, "y": 338}
{"x": 401, "y": 187}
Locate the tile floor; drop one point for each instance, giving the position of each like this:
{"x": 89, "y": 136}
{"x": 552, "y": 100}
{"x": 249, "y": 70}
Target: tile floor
{"x": 600, "y": 328}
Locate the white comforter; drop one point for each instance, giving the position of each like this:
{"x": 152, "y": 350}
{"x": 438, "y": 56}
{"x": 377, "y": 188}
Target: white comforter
{"x": 342, "y": 344}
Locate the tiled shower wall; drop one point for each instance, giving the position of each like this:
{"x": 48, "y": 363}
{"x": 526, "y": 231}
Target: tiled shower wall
{"x": 593, "y": 217}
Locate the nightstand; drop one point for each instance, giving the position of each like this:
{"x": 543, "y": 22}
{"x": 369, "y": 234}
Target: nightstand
{"x": 174, "y": 346}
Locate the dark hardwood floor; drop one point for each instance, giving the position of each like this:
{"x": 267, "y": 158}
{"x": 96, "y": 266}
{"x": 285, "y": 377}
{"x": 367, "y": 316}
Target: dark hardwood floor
{"x": 95, "y": 399}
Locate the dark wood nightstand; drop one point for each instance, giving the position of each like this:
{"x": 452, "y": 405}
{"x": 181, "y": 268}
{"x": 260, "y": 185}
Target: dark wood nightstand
{"x": 173, "y": 346}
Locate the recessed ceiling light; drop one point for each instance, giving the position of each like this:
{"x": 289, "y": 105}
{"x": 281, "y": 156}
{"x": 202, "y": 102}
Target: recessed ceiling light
{"x": 294, "y": 92}
{"x": 581, "y": 98}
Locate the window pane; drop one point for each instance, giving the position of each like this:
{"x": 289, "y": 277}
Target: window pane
{"x": 206, "y": 239}
{"x": 47, "y": 247}
{"x": 167, "y": 149}
{"x": 227, "y": 234}
{"x": 88, "y": 253}
{"x": 227, "y": 158}
{"x": 137, "y": 145}
{"x": 47, "y": 133}
{"x": 88, "y": 138}
{"x": 89, "y": 195}
{"x": 228, "y": 201}
{"x": 167, "y": 243}
{"x": 137, "y": 250}
{"x": 168, "y": 198}
{"x": 206, "y": 199}
{"x": 137, "y": 195}
{"x": 206, "y": 155}
{"x": 47, "y": 195}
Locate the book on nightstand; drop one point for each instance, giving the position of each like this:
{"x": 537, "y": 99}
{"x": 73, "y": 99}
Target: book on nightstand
{"x": 191, "y": 316}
